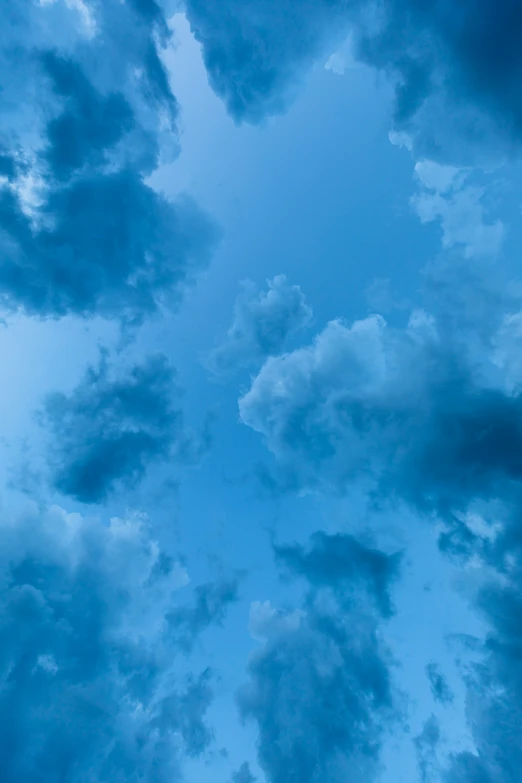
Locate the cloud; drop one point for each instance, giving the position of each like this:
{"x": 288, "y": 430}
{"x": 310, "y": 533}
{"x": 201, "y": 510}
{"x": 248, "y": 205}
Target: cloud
{"x": 427, "y": 415}
{"x": 446, "y": 196}
{"x": 91, "y": 681}
{"x": 494, "y": 684}
{"x": 409, "y": 411}
{"x": 254, "y": 51}
{"x": 115, "y": 248}
{"x": 426, "y": 744}
{"x": 87, "y": 116}
{"x": 243, "y": 774}
{"x": 467, "y": 768}
{"x": 210, "y": 607}
{"x": 113, "y": 425}
{"x": 263, "y": 321}
{"x": 319, "y": 686}
{"x": 461, "y": 66}
{"x": 340, "y": 561}
{"x": 439, "y": 687}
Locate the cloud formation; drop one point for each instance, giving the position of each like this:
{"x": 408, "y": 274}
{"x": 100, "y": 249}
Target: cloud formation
{"x": 211, "y": 601}
{"x": 263, "y": 321}
{"x": 87, "y": 111}
{"x": 447, "y": 196}
{"x": 408, "y": 410}
{"x": 428, "y": 415}
{"x": 113, "y": 425}
{"x": 463, "y": 65}
{"x": 494, "y": 693}
{"x": 439, "y": 686}
{"x": 243, "y": 774}
{"x": 91, "y": 686}
{"x": 319, "y": 686}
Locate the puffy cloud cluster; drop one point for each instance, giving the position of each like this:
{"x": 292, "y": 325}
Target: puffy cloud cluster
{"x": 319, "y": 686}
{"x": 87, "y": 110}
{"x": 113, "y": 425}
{"x": 463, "y": 64}
{"x": 93, "y": 686}
{"x": 403, "y": 408}
{"x": 429, "y": 415}
{"x": 263, "y": 321}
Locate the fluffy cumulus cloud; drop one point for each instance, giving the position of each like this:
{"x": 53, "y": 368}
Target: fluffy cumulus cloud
{"x": 263, "y": 321}
{"x": 87, "y": 111}
{"x": 319, "y": 685}
{"x": 106, "y": 432}
{"x": 437, "y": 56}
{"x": 428, "y": 415}
{"x": 93, "y": 687}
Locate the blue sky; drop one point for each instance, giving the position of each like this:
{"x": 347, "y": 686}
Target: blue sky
{"x": 260, "y": 412}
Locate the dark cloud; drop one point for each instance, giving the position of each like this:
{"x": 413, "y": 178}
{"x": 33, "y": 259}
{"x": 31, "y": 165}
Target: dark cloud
{"x": 340, "y": 562}
{"x": 439, "y": 686}
{"x": 81, "y": 231}
{"x": 460, "y": 66}
{"x": 263, "y": 321}
{"x": 90, "y": 124}
{"x": 254, "y": 51}
{"x": 320, "y": 690}
{"x": 91, "y": 686}
{"x": 113, "y": 425}
{"x": 114, "y": 248}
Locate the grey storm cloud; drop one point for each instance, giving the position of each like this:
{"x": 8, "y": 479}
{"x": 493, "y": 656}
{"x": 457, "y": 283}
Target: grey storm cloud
{"x": 88, "y": 113}
{"x": 320, "y": 689}
{"x": 113, "y": 425}
{"x": 93, "y": 687}
{"x": 437, "y": 54}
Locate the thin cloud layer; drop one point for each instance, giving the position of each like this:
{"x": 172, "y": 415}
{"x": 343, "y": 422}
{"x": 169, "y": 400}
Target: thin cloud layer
{"x": 463, "y": 64}
{"x": 319, "y": 687}
{"x": 92, "y": 689}
{"x": 113, "y": 425}
{"x": 263, "y": 322}
{"x": 87, "y": 111}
